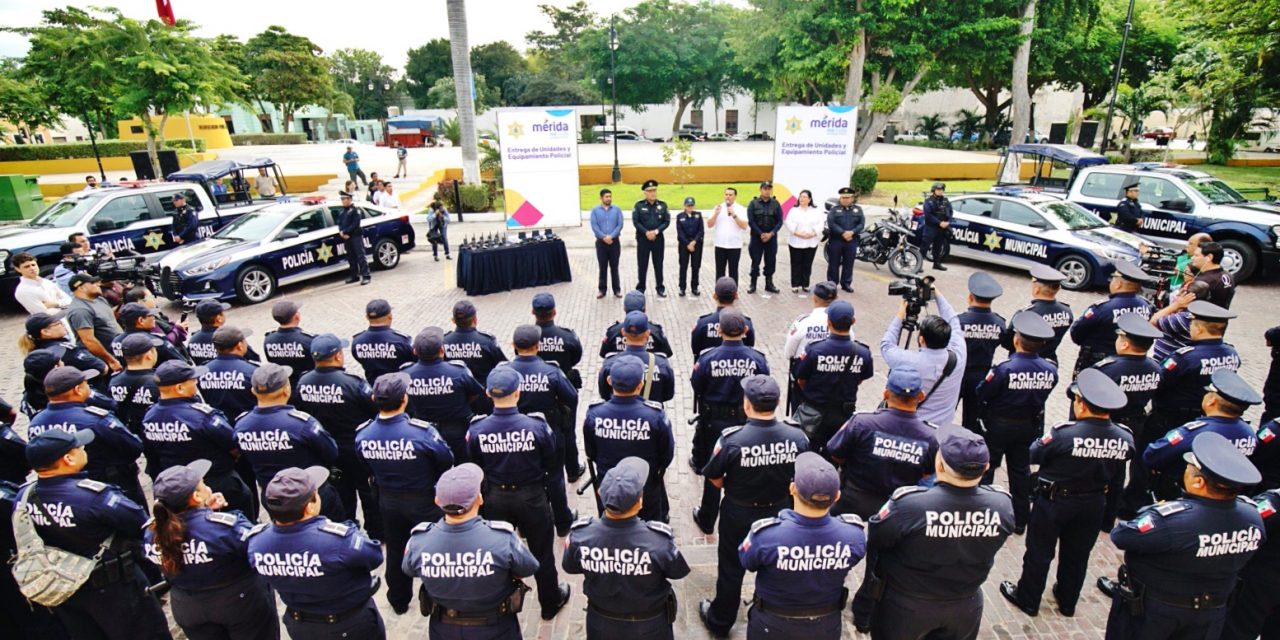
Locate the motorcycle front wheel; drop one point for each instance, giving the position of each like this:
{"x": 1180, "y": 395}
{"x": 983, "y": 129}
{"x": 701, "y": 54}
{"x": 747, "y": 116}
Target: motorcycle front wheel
{"x": 905, "y": 262}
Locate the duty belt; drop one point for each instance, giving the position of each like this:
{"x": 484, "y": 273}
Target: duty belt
{"x": 755, "y": 504}
{"x": 721, "y": 410}
{"x": 324, "y": 618}
{"x": 637, "y": 616}
{"x": 1053, "y": 490}
{"x": 1197, "y": 601}
{"x": 513, "y": 487}
{"x": 472, "y": 618}
{"x": 806, "y": 612}
{"x": 113, "y": 570}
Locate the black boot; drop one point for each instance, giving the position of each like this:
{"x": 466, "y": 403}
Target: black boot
{"x": 768, "y": 286}
{"x": 752, "y": 288}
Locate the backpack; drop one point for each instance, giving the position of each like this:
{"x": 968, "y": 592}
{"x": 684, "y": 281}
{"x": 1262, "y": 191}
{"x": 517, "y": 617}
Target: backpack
{"x": 47, "y": 575}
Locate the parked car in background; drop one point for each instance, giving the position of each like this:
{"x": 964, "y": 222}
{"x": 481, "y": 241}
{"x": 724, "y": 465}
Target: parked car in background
{"x": 626, "y": 137}
{"x": 1159, "y": 132}
{"x": 719, "y": 137}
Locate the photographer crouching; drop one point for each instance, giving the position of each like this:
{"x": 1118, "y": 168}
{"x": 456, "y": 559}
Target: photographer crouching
{"x": 942, "y": 350}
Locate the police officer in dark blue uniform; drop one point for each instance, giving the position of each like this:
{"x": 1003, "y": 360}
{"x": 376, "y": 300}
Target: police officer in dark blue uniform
{"x": 764, "y": 217}
{"x": 613, "y": 339}
{"x": 628, "y": 562}
{"x": 202, "y": 552}
{"x": 517, "y": 453}
{"x": 717, "y": 380}
{"x": 706, "y": 332}
{"x": 937, "y": 225}
{"x": 659, "y": 380}
{"x": 651, "y": 217}
{"x": 441, "y": 391}
{"x": 186, "y": 221}
{"x": 626, "y": 426}
{"x": 211, "y": 315}
{"x": 380, "y": 349}
{"x": 983, "y": 329}
{"x": 561, "y": 346}
{"x": 1271, "y": 387}
{"x": 29, "y": 620}
{"x": 136, "y": 318}
{"x": 37, "y": 365}
{"x": 322, "y": 570}
{"x": 1129, "y": 213}
{"x": 1182, "y": 558}
{"x": 471, "y": 568}
{"x": 134, "y": 389}
{"x": 1081, "y": 461}
{"x": 352, "y": 235}
{"x": 844, "y": 222}
{"x": 407, "y": 457}
{"x": 476, "y": 349}
{"x": 690, "y": 232}
{"x": 1253, "y": 608}
{"x": 1046, "y": 282}
{"x": 13, "y": 456}
{"x": 46, "y": 331}
{"x": 829, "y": 373}
{"x": 227, "y": 386}
{"x": 289, "y": 345}
{"x": 90, "y": 518}
{"x": 1095, "y": 329}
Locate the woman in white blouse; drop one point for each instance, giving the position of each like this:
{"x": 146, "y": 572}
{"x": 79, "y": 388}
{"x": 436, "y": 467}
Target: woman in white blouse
{"x": 804, "y": 226}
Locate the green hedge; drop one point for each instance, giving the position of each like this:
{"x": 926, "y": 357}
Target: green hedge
{"x": 72, "y": 150}
{"x": 864, "y": 178}
{"x": 476, "y": 198}
{"x": 242, "y": 139}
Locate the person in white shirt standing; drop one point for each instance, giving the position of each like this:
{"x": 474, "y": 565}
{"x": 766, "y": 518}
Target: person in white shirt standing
{"x": 36, "y": 294}
{"x": 387, "y": 197}
{"x": 264, "y": 183}
{"x": 804, "y": 227}
{"x": 728, "y": 225}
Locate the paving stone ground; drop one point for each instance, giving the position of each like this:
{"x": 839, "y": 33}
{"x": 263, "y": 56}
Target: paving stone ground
{"x": 422, "y": 292}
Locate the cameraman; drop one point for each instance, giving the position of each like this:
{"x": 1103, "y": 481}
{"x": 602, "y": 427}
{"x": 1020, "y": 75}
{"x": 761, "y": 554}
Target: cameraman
{"x": 941, "y": 356}
{"x": 70, "y": 265}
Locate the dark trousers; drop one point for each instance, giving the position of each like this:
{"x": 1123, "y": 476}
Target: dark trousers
{"x": 238, "y": 495}
{"x": 116, "y": 611}
{"x": 353, "y": 483}
{"x": 820, "y": 423}
{"x": 1087, "y": 358}
{"x": 903, "y": 617}
{"x": 352, "y": 174}
{"x": 607, "y": 259}
{"x": 245, "y": 471}
{"x": 572, "y": 466}
{"x": 758, "y": 249}
{"x": 242, "y": 610}
{"x": 401, "y": 511}
{"x": 355, "y": 256}
{"x": 601, "y": 628}
{"x": 801, "y": 265}
{"x": 859, "y": 501}
{"x": 504, "y": 628}
{"x": 1255, "y": 609}
{"x": 444, "y": 242}
{"x": 705, "y": 435}
{"x": 734, "y": 526}
{"x": 527, "y": 509}
{"x": 557, "y": 491}
{"x": 1011, "y": 442}
{"x": 969, "y": 398}
{"x": 1071, "y": 524}
{"x": 1137, "y": 493}
{"x": 762, "y": 625}
{"x": 689, "y": 260}
{"x": 455, "y": 435}
{"x": 935, "y": 242}
{"x": 840, "y": 257}
{"x": 1160, "y": 621}
{"x": 647, "y": 250}
{"x": 365, "y": 625}
{"x": 727, "y": 262}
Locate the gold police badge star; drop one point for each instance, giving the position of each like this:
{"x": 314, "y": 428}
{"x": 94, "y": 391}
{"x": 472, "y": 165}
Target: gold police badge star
{"x": 154, "y": 240}
{"x": 324, "y": 253}
{"x": 793, "y": 125}
{"x": 515, "y": 129}
{"x": 992, "y": 241}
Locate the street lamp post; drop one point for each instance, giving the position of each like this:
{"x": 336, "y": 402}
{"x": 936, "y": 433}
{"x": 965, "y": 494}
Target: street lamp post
{"x": 613, "y": 86}
{"x": 380, "y": 85}
{"x": 1115, "y": 81}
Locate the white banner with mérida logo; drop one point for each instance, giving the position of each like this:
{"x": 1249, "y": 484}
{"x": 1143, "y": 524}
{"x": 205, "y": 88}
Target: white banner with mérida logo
{"x": 813, "y": 150}
{"x": 540, "y": 167}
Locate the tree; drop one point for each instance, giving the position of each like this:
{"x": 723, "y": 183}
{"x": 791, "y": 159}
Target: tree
{"x": 287, "y": 70}
{"x": 931, "y": 126}
{"x": 336, "y": 101}
{"x": 462, "y": 85}
{"x": 546, "y": 89}
{"x": 360, "y": 73}
{"x": 426, "y": 64}
{"x": 498, "y": 62}
{"x": 443, "y": 96}
{"x": 22, "y": 100}
{"x": 1134, "y": 105}
{"x": 554, "y": 49}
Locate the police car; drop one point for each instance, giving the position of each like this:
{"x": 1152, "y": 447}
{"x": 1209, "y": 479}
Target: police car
{"x": 284, "y": 243}
{"x": 1018, "y": 229}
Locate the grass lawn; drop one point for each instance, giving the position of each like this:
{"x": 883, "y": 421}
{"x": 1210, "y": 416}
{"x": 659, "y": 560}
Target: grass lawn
{"x": 707, "y": 195}
{"x": 1244, "y": 177}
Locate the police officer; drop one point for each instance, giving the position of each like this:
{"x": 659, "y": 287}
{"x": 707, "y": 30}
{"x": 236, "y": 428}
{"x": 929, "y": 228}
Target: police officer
{"x": 226, "y": 382}
{"x": 706, "y": 332}
{"x": 179, "y": 429}
{"x": 289, "y": 345}
{"x": 631, "y": 597}
{"x": 1045, "y": 284}
{"x": 754, "y": 464}
{"x": 186, "y": 221}
{"x": 717, "y": 380}
{"x": 983, "y": 329}
{"x": 806, "y": 329}
{"x": 1011, "y": 403}
{"x": 13, "y": 457}
{"x": 134, "y": 389}
{"x": 690, "y": 233}
{"x": 45, "y": 331}
{"x": 470, "y": 592}
{"x": 441, "y": 391}
{"x": 37, "y": 365}
{"x": 764, "y": 217}
{"x": 202, "y": 552}
{"x": 380, "y": 349}
{"x": 613, "y": 339}
{"x": 659, "y": 379}
{"x": 322, "y": 570}
{"x": 352, "y": 235}
{"x": 474, "y": 348}
{"x": 651, "y": 218}
{"x": 801, "y": 558}
{"x": 211, "y": 314}
{"x": 937, "y": 225}
{"x": 114, "y": 454}
{"x": 1254, "y": 604}
{"x": 1129, "y": 213}
{"x": 136, "y": 318}
{"x": 829, "y": 373}
{"x": 90, "y": 518}
{"x": 844, "y": 222}
{"x": 406, "y": 457}
{"x": 1081, "y": 461}
{"x": 30, "y": 620}
{"x": 342, "y": 402}
{"x": 628, "y": 426}
{"x": 1095, "y": 329}
{"x": 275, "y": 436}
{"x": 929, "y": 571}
{"x": 1266, "y": 456}
{"x": 1182, "y": 558}
{"x": 560, "y": 345}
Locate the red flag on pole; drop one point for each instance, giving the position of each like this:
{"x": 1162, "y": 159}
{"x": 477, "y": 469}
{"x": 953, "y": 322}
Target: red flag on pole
{"x": 165, "y": 9}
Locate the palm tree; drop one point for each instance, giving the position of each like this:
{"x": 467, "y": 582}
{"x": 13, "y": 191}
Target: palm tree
{"x": 931, "y": 126}
{"x": 1135, "y": 104}
{"x": 462, "y": 84}
{"x": 968, "y": 122}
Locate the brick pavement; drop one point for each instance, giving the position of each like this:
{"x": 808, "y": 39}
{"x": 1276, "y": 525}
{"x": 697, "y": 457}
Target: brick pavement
{"x": 423, "y": 291}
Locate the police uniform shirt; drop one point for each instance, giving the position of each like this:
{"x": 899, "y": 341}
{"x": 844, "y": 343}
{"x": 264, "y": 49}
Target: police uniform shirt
{"x": 404, "y": 454}
{"x": 1096, "y": 327}
{"x": 215, "y": 551}
{"x": 756, "y": 461}
{"x": 1084, "y": 456}
{"x": 1166, "y": 453}
{"x": 113, "y": 444}
{"x": 628, "y": 563}
{"x": 661, "y": 380}
{"x": 165, "y": 351}
{"x": 832, "y": 370}
{"x": 1057, "y": 314}
{"x": 1187, "y": 373}
{"x": 477, "y": 349}
{"x": 1128, "y": 213}
{"x": 227, "y": 385}
{"x": 805, "y": 330}
{"x": 74, "y": 355}
{"x": 628, "y": 426}
{"x": 883, "y": 450}
{"x": 983, "y": 329}
{"x": 614, "y": 341}
{"x": 706, "y": 333}
{"x": 134, "y": 391}
{"x": 179, "y": 430}
{"x": 441, "y": 391}
{"x": 718, "y": 372}
{"x": 801, "y": 562}
{"x": 339, "y": 400}
{"x": 186, "y": 224}
{"x": 513, "y": 449}
{"x": 290, "y": 347}
{"x": 467, "y": 566}
{"x": 1138, "y": 376}
{"x": 200, "y": 346}
{"x": 380, "y": 350}
{"x": 561, "y": 346}
{"x": 349, "y": 221}
{"x": 279, "y": 437}
{"x": 940, "y": 543}
{"x": 650, "y": 217}
{"x": 691, "y": 228}
{"x": 543, "y": 388}
{"x": 76, "y": 514}
{"x": 316, "y": 566}
{"x": 841, "y": 219}
{"x": 1268, "y": 505}
{"x": 13, "y": 456}
{"x": 1266, "y": 456}
{"x": 764, "y": 216}
{"x": 937, "y": 209}
{"x": 1018, "y": 387}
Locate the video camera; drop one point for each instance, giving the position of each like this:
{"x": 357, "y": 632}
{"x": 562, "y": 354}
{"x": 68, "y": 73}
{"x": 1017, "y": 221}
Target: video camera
{"x": 1160, "y": 264}
{"x": 118, "y": 268}
{"x": 917, "y": 291}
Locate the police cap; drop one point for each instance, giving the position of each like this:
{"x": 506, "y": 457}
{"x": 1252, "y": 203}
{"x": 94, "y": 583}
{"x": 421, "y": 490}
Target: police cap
{"x": 463, "y": 310}
{"x": 1230, "y": 385}
{"x": 649, "y": 184}
{"x": 227, "y": 337}
{"x": 1099, "y": 391}
{"x": 1131, "y": 183}
{"x": 38, "y": 363}
{"x": 846, "y": 191}
{"x": 732, "y": 322}
{"x": 817, "y": 481}
{"x": 726, "y": 286}
{"x": 543, "y": 302}
{"x": 1208, "y": 311}
{"x": 904, "y": 381}
{"x": 635, "y": 323}
{"x": 762, "y": 391}
{"x": 982, "y": 285}
{"x": 1030, "y": 324}
{"x": 344, "y": 195}
{"x": 825, "y": 290}
{"x": 378, "y": 308}
{"x": 174, "y": 486}
{"x": 180, "y": 196}
{"x": 526, "y": 336}
{"x": 1132, "y": 324}
{"x": 291, "y": 489}
{"x": 626, "y": 373}
{"x": 1130, "y": 271}
{"x": 138, "y": 343}
{"x": 174, "y": 372}
{"x": 840, "y": 314}
{"x": 459, "y": 488}
{"x": 271, "y": 377}
{"x": 327, "y": 345}
{"x": 207, "y": 310}
{"x": 1046, "y": 274}
{"x": 51, "y": 444}
{"x": 502, "y": 382}
{"x": 964, "y": 451}
{"x": 633, "y": 301}
{"x": 131, "y": 312}
{"x": 60, "y": 380}
{"x": 766, "y": 185}
{"x": 623, "y": 485}
{"x": 391, "y": 386}
{"x": 938, "y": 186}
{"x": 428, "y": 342}
{"x": 1221, "y": 461}
{"x": 689, "y": 201}
{"x": 39, "y": 321}
{"x": 284, "y": 311}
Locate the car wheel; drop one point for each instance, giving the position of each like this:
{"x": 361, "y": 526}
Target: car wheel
{"x": 1078, "y": 270}
{"x": 386, "y": 254}
{"x": 1239, "y": 259}
{"x": 255, "y": 284}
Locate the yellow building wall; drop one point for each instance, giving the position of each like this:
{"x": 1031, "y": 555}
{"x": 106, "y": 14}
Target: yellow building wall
{"x": 211, "y": 129}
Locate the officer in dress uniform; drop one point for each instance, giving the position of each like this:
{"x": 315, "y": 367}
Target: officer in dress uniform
{"x": 660, "y": 380}
{"x": 275, "y": 435}
{"x": 1095, "y": 329}
{"x": 1129, "y": 213}
{"x": 134, "y": 389}
{"x": 180, "y": 428}
{"x": 651, "y": 218}
{"x": 380, "y": 349}
{"x": 406, "y": 457}
{"x": 136, "y": 318}
{"x": 983, "y": 328}
{"x": 705, "y": 331}
{"x": 352, "y": 234}
{"x": 801, "y": 558}
{"x": 829, "y": 373}
{"x": 1266, "y": 456}
{"x": 764, "y": 217}
{"x": 844, "y": 222}
{"x": 628, "y": 426}
{"x": 1011, "y": 405}
{"x": 1253, "y": 608}
{"x": 628, "y": 562}
{"x": 806, "y": 329}
{"x": 322, "y": 570}
{"x": 690, "y": 232}
{"x": 613, "y": 338}
{"x": 717, "y": 380}
{"x": 561, "y": 346}
{"x": 1081, "y": 462}
{"x": 441, "y": 391}
{"x": 289, "y": 345}
{"x": 202, "y": 552}
{"x": 87, "y": 517}
{"x": 211, "y": 314}
{"x": 1182, "y": 558}
{"x": 186, "y": 221}
{"x": 1045, "y": 284}
{"x": 937, "y": 225}
{"x": 517, "y": 453}
{"x": 471, "y": 568}
{"x": 476, "y": 349}
{"x": 754, "y": 464}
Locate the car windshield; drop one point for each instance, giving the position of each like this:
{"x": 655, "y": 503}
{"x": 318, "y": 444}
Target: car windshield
{"x": 65, "y": 212}
{"x": 251, "y": 226}
{"x": 1216, "y": 192}
{"x": 1074, "y": 216}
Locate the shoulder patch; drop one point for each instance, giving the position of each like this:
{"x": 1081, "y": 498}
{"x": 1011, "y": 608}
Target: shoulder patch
{"x": 764, "y": 523}
{"x": 202, "y": 407}
{"x": 1247, "y": 500}
{"x": 653, "y": 404}
{"x": 1169, "y": 508}
{"x": 612, "y": 354}
{"x": 704, "y": 351}
{"x": 301, "y": 415}
{"x": 97, "y": 411}
{"x": 365, "y": 424}
{"x": 422, "y": 526}
{"x": 1185, "y": 349}
{"x": 581, "y": 522}
{"x": 904, "y": 491}
{"x": 421, "y": 424}
{"x": 254, "y": 530}
{"x": 501, "y": 525}
{"x": 227, "y": 519}
{"x": 730, "y": 431}
{"x": 477, "y": 418}
{"x": 853, "y": 519}
{"x": 92, "y": 485}
{"x": 597, "y": 403}
{"x": 336, "y": 528}
{"x": 998, "y": 489}
{"x": 661, "y": 527}
{"x": 1063, "y": 424}
{"x": 1193, "y": 425}
{"x": 1105, "y": 361}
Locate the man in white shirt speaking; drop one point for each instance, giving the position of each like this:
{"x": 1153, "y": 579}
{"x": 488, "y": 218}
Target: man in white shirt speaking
{"x": 728, "y": 225}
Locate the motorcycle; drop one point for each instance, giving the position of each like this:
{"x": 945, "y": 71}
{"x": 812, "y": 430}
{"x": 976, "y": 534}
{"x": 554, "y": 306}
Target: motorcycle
{"x": 887, "y": 241}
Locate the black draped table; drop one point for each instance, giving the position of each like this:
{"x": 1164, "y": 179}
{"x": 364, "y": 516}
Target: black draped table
{"x": 534, "y": 264}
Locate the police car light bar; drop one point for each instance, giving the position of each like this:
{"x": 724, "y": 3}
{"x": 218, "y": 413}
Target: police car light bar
{"x": 132, "y": 184}
{"x": 313, "y": 199}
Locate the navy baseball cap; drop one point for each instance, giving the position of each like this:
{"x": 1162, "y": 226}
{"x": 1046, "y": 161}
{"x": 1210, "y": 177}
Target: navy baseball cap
{"x": 1132, "y": 324}
{"x": 732, "y": 322}
{"x": 526, "y": 336}
{"x": 726, "y": 286}
{"x": 463, "y": 309}
{"x": 635, "y": 323}
{"x": 633, "y": 301}
{"x": 40, "y": 362}
{"x": 136, "y": 344}
{"x": 1046, "y": 274}
{"x": 428, "y": 343}
{"x": 904, "y": 381}
{"x": 1130, "y": 271}
{"x": 1230, "y": 385}
{"x": 51, "y": 444}
{"x": 1032, "y": 325}
{"x": 391, "y": 386}
{"x": 377, "y": 308}
{"x": 840, "y": 313}
{"x": 626, "y": 373}
{"x": 825, "y": 290}
{"x": 623, "y": 485}
{"x": 982, "y": 285}
{"x": 762, "y": 391}
{"x": 964, "y": 451}
{"x": 209, "y": 309}
{"x": 174, "y": 372}
{"x": 1221, "y": 461}
{"x": 132, "y": 312}
{"x": 327, "y": 345}
{"x": 1205, "y": 310}
{"x": 817, "y": 481}
{"x": 544, "y": 302}
{"x": 284, "y": 310}
{"x": 271, "y": 377}
{"x": 291, "y": 489}
{"x": 689, "y": 201}
{"x": 1099, "y": 391}
{"x": 38, "y": 321}
{"x": 60, "y": 380}
{"x": 502, "y": 382}
{"x": 459, "y": 488}
{"x": 174, "y": 486}
{"x": 227, "y": 337}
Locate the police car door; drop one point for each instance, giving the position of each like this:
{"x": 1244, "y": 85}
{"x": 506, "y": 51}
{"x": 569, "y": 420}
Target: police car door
{"x": 1101, "y": 191}
{"x": 971, "y": 222}
{"x": 130, "y": 223}
{"x": 1016, "y": 236}
{"x": 1169, "y": 211}
{"x": 305, "y": 246}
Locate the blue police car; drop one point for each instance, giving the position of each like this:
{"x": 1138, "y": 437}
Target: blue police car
{"x": 1018, "y": 229}
{"x": 281, "y": 244}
